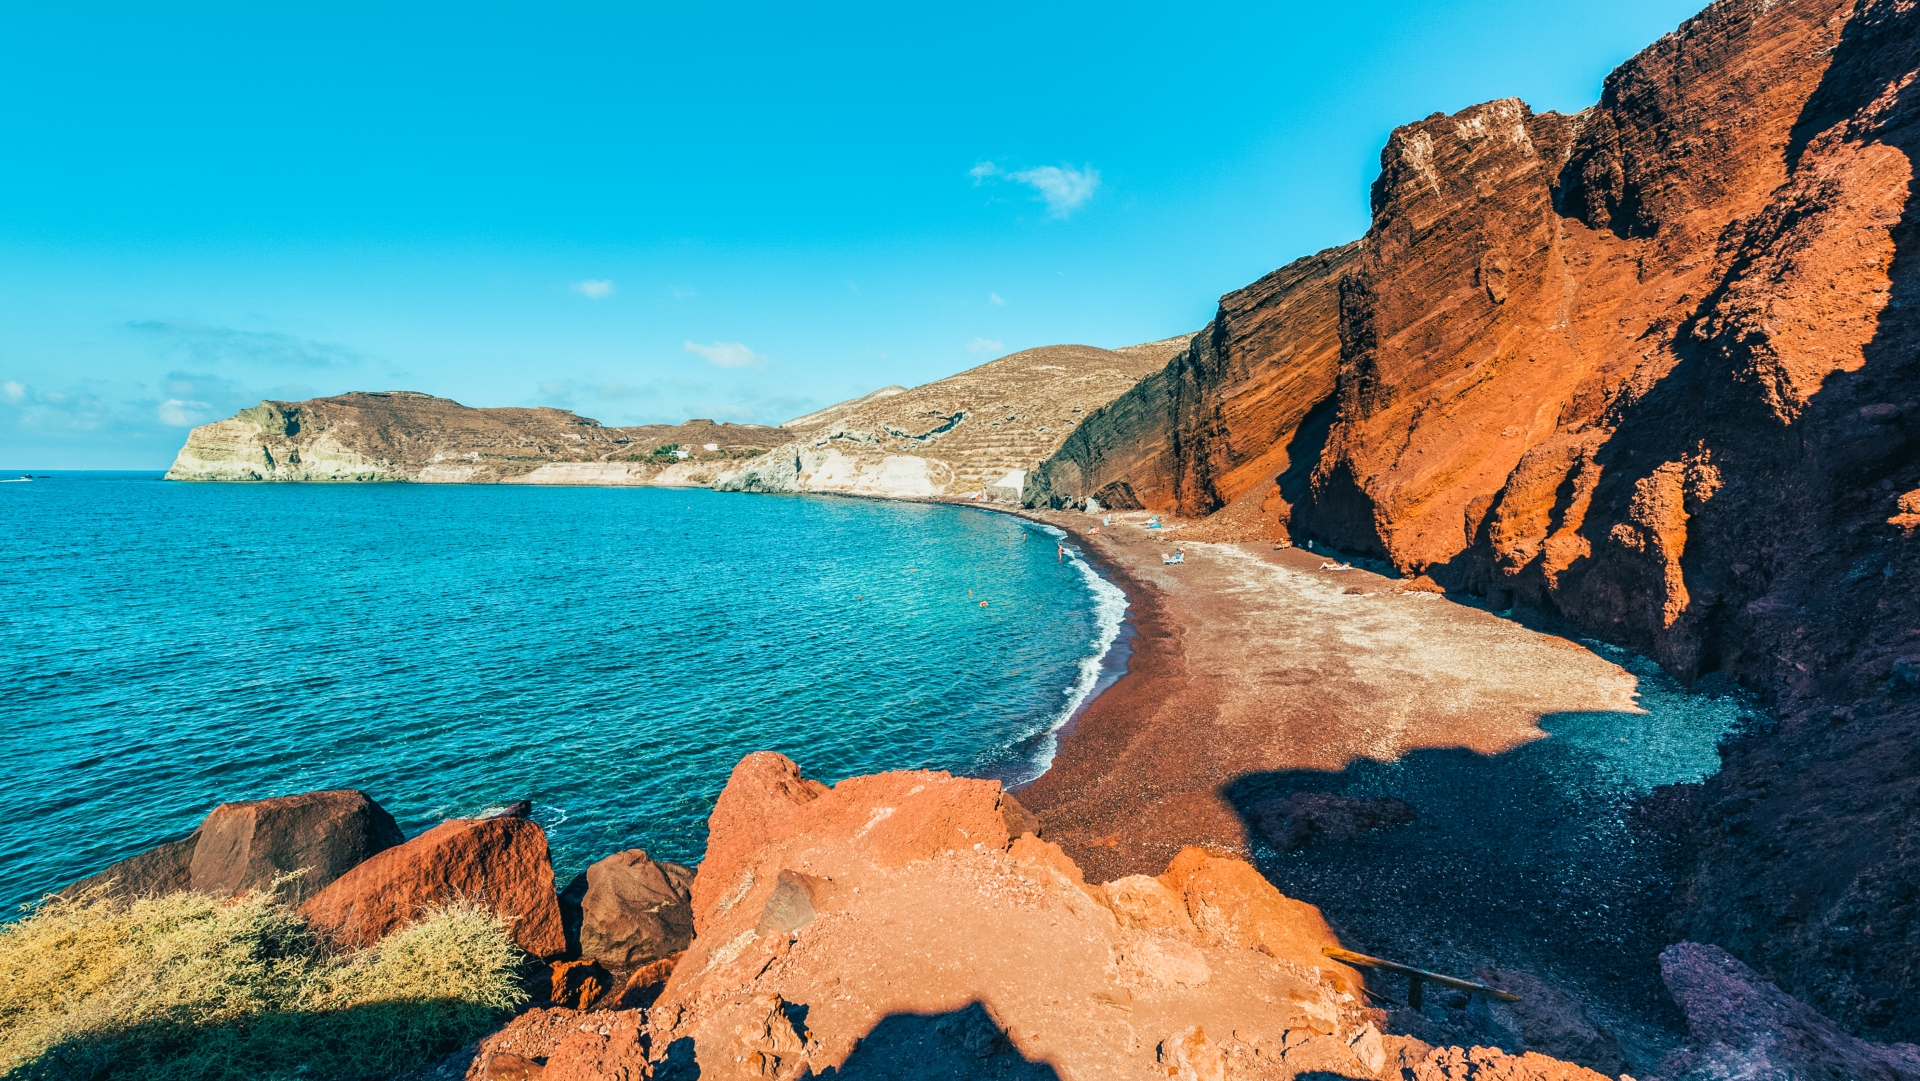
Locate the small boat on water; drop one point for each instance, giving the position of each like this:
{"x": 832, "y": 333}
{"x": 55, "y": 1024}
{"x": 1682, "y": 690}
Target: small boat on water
{"x": 17, "y": 480}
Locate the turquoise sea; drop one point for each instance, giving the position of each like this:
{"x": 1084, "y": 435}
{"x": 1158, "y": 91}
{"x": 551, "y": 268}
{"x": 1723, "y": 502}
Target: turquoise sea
{"x": 606, "y": 653}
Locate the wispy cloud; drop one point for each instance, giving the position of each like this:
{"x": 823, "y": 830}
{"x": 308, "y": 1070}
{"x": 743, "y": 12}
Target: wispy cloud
{"x": 177, "y": 413}
{"x": 1063, "y": 188}
{"x": 218, "y": 345}
{"x": 994, "y": 299}
{"x": 593, "y": 288}
{"x": 681, "y": 293}
{"x": 13, "y": 393}
{"x": 727, "y": 355}
{"x": 980, "y": 347}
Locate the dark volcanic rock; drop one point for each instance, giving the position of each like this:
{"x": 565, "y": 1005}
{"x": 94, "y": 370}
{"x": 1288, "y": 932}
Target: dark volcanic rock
{"x": 634, "y": 910}
{"x": 1742, "y": 1026}
{"x": 159, "y": 870}
{"x": 501, "y": 863}
{"x": 245, "y": 846}
{"x": 1550, "y": 1021}
{"x": 320, "y": 835}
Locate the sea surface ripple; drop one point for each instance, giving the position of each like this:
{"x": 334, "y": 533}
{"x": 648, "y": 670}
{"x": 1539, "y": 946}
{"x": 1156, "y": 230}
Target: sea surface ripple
{"x": 607, "y": 653}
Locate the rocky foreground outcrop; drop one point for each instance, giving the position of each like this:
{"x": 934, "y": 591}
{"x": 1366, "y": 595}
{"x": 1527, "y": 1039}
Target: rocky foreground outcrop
{"x": 915, "y": 924}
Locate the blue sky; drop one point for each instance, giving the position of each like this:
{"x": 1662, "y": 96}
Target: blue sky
{"x": 649, "y": 212}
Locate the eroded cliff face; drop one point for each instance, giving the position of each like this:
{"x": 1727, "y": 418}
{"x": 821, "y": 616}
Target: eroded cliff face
{"x": 1666, "y": 390}
{"x": 1651, "y": 369}
{"x": 407, "y": 436}
{"x": 1227, "y": 414}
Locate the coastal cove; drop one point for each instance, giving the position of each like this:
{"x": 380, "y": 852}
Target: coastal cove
{"x": 606, "y": 653}
{"x": 1265, "y": 682}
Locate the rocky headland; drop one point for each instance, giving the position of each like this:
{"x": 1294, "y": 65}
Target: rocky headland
{"x": 403, "y": 435}
{"x": 1643, "y": 373}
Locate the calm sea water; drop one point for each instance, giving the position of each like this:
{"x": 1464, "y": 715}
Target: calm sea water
{"x": 607, "y": 653}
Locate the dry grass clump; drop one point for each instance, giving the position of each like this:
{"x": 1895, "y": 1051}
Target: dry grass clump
{"x": 195, "y": 988}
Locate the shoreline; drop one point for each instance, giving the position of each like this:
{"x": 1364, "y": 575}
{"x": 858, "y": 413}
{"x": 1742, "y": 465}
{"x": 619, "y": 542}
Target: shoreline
{"x": 1259, "y": 675}
{"x": 1135, "y": 647}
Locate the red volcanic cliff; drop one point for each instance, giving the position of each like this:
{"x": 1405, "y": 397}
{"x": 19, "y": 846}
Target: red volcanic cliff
{"x": 1221, "y": 417}
{"x": 1652, "y": 369}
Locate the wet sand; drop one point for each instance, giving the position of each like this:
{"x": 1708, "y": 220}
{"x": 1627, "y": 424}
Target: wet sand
{"x": 1257, "y": 674}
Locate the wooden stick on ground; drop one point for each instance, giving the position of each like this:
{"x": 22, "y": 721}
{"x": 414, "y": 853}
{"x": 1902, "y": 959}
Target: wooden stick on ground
{"x": 1417, "y": 977}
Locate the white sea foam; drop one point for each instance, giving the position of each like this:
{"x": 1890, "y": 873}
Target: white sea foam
{"x": 1109, "y": 612}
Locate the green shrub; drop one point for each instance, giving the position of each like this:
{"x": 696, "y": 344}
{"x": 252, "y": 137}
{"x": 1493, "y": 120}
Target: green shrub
{"x": 194, "y": 988}
{"x": 665, "y": 452}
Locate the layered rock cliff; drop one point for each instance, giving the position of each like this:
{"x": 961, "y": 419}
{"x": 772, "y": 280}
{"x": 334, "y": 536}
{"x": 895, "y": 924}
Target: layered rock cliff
{"x": 1226, "y": 414}
{"x": 1649, "y": 368}
{"x": 407, "y": 436}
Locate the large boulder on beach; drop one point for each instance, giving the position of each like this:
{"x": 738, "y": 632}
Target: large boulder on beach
{"x": 634, "y": 909}
{"x": 246, "y": 846}
{"x": 317, "y": 835}
{"x": 500, "y": 863}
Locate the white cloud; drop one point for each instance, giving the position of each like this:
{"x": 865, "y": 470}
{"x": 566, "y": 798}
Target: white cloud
{"x": 1063, "y": 187}
{"x": 13, "y": 392}
{"x": 222, "y": 345}
{"x": 680, "y": 293}
{"x": 982, "y": 346}
{"x": 727, "y": 355}
{"x": 994, "y": 299}
{"x": 593, "y": 288}
{"x": 183, "y": 414}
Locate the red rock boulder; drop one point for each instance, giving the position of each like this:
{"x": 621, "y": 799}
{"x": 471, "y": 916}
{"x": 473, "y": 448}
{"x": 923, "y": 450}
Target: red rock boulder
{"x": 321, "y": 835}
{"x": 501, "y": 863}
{"x": 245, "y": 846}
{"x": 634, "y": 910}
{"x": 762, "y": 794}
{"x": 891, "y": 819}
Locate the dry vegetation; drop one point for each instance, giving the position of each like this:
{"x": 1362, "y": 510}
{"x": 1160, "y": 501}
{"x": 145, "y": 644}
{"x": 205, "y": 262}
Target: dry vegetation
{"x": 194, "y": 987}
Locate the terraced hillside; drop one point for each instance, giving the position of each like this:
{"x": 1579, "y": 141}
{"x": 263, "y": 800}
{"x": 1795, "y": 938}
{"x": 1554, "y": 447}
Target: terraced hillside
{"x": 985, "y": 429}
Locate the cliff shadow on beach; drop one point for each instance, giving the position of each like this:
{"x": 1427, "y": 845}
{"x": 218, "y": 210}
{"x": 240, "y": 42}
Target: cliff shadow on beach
{"x": 1546, "y": 859}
